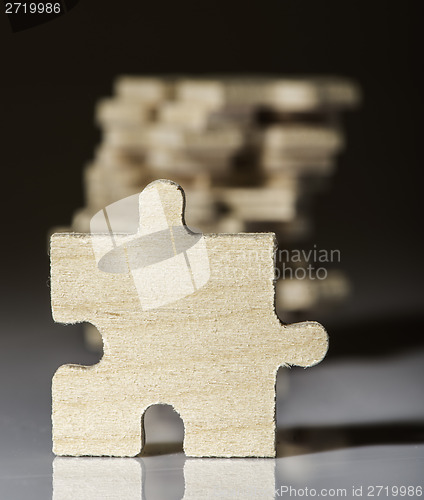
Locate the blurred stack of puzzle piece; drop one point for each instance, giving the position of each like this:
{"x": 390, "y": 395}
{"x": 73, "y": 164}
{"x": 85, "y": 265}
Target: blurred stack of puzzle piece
{"x": 249, "y": 153}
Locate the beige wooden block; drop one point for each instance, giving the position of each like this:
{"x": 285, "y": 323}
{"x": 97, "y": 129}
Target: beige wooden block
{"x": 261, "y": 204}
{"x": 146, "y": 90}
{"x": 187, "y": 320}
{"x": 299, "y": 95}
{"x": 306, "y": 139}
{"x": 165, "y": 161}
{"x": 207, "y": 93}
{"x": 122, "y": 112}
{"x": 196, "y": 115}
{"x": 188, "y": 115}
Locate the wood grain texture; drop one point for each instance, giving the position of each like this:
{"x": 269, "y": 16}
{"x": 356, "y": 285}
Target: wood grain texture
{"x": 211, "y": 351}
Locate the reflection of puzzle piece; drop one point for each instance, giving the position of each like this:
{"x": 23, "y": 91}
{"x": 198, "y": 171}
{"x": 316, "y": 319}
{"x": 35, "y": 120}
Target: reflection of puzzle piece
{"x": 228, "y": 479}
{"x": 213, "y": 354}
{"x": 96, "y": 479}
{"x": 162, "y": 477}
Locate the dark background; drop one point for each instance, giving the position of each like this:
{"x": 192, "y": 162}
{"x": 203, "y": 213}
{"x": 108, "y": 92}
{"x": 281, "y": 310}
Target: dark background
{"x": 53, "y": 74}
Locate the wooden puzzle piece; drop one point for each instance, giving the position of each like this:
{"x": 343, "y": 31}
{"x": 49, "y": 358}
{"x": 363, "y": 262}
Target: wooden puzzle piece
{"x": 187, "y": 320}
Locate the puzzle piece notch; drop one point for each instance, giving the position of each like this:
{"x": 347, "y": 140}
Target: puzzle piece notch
{"x": 212, "y": 354}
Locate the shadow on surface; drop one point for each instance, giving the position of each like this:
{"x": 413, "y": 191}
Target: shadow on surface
{"x": 303, "y": 440}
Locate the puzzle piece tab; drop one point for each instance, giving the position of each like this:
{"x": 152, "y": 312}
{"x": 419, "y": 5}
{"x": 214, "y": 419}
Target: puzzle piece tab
{"x": 188, "y": 320}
